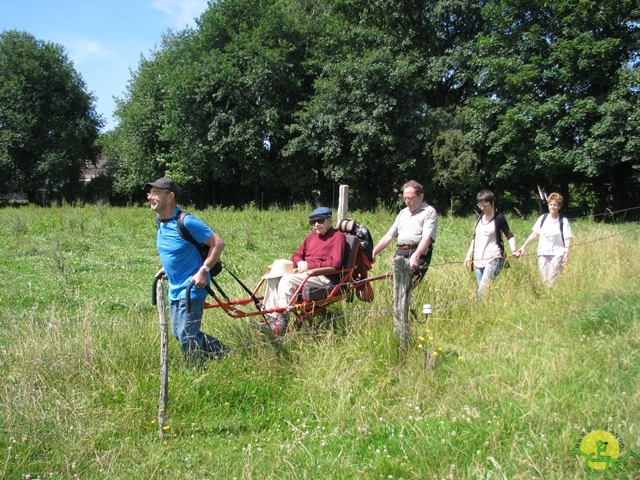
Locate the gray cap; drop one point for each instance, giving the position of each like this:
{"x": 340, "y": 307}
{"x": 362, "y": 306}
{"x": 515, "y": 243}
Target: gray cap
{"x": 166, "y": 183}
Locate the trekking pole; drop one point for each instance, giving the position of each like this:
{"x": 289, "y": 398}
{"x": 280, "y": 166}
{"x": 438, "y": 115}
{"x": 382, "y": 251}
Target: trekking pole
{"x": 154, "y": 293}
{"x": 257, "y": 302}
{"x": 188, "y": 294}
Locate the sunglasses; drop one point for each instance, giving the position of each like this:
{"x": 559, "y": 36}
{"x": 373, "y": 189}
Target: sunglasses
{"x": 321, "y": 221}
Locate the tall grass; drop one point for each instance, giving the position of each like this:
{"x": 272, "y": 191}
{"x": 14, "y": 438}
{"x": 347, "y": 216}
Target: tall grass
{"x": 520, "y": 378}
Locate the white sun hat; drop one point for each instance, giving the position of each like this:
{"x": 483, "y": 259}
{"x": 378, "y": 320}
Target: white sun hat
{"x": 279, "y": 268}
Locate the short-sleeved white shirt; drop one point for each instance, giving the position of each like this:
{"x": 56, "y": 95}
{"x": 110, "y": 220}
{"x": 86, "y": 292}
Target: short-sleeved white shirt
{"x": 410, "y": 228}
{"x": 486, "y": 248}
{"x": 550, "y": 242}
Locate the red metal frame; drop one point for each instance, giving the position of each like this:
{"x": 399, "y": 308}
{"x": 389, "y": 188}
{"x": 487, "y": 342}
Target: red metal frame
{"x": 302, "y": 309}
{"x": 345, "y": 288}
{"x": 350, "y": 280}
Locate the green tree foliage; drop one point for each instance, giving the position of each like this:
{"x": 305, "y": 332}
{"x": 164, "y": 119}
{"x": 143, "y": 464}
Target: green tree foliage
{"x": 48, "y": 124}
{"x": 553, "y": 77}
{"x": 393, "y": 71}
{"x": 280, "y": 100}
{"x": 212, "y": 106}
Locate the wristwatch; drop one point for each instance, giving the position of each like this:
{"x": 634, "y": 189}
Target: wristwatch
{"x": 206, "y": 268}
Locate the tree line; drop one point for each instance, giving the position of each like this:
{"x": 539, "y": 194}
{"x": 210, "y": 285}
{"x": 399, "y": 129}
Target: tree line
{"x": 279, "y": 101}
{"x": 48, "y": 123}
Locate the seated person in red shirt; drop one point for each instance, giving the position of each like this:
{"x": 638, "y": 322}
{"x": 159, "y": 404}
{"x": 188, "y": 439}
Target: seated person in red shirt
{"x": 323, "y": 247}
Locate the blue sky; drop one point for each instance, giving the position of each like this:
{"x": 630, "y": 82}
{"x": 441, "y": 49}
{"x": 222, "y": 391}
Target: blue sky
{"x": 103, "y": 38}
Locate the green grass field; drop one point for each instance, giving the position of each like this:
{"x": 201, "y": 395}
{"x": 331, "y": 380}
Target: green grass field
{"x": 520, "y": 379}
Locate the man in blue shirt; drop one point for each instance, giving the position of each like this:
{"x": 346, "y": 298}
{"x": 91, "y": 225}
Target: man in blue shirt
{"x": 182, "y": 263}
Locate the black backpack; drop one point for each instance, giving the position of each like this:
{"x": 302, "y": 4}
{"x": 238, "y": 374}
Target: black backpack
{"x": 349, "y": 225}
{"x": 202, "y": 248}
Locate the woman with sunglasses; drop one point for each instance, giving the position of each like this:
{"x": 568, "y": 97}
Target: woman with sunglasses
{"x": 486, "y": 252}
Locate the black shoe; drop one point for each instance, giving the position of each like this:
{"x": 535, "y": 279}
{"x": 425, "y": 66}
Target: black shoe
{"x": 216, "y": 350}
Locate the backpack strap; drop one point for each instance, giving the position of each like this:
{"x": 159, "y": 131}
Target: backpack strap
{"x": 496, "y": 226}
{"x": 186, "y": 234}
{"x": 184, "y": 231}
{"x": 560, "y": 219}
{"x": 498, "y": 231}
{"x": 202, "y": 249}
{"x": 544, "y": 217}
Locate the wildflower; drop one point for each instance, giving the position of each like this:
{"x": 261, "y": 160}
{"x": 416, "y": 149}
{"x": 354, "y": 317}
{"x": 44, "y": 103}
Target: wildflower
{"x": 226, "y": 404}
{"x": 165, "y": 428}
{"x": 420, "y": 346}
{"x": 153, "y": 422}
{"x": 421, "y": 338}
{"x": 439, "y": 349}
{"x": 460, "y": 357}
{"x": 435, "y": 353}
{"x": 430, "y": 339}
{"x": 428, "y": 331}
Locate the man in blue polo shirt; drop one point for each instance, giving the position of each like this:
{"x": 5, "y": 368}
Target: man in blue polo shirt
{"x": 182, "y": 263}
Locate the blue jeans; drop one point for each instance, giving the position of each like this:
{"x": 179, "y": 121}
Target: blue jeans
{"x": 185, "y": 327}
{"x": 487, "y": 273}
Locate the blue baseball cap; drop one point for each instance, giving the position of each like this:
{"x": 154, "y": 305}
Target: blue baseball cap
{"x": 321, "y": 212}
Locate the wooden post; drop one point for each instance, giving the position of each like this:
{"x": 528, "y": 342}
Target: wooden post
{"x": 164, "y": 357}
{"x": 401, "y": 300}
{"x": 343, "y": 203}
{"x": 428, "y": 360}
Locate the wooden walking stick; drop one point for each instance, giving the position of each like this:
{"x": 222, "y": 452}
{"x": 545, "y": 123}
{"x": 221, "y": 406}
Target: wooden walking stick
{"x": 164, "y": 357}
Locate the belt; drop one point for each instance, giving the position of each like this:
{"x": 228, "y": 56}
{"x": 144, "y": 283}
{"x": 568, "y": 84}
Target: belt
{"x": 406, "y": 247}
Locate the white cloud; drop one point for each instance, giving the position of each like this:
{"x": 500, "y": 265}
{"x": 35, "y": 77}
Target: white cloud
{"x": 84, "y": 49}
{"x": 183, "y": 12}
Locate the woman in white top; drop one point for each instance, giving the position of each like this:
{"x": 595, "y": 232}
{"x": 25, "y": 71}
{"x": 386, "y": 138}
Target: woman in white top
{"x": 487, "y": 249}
{"x": 555, "y": 240}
